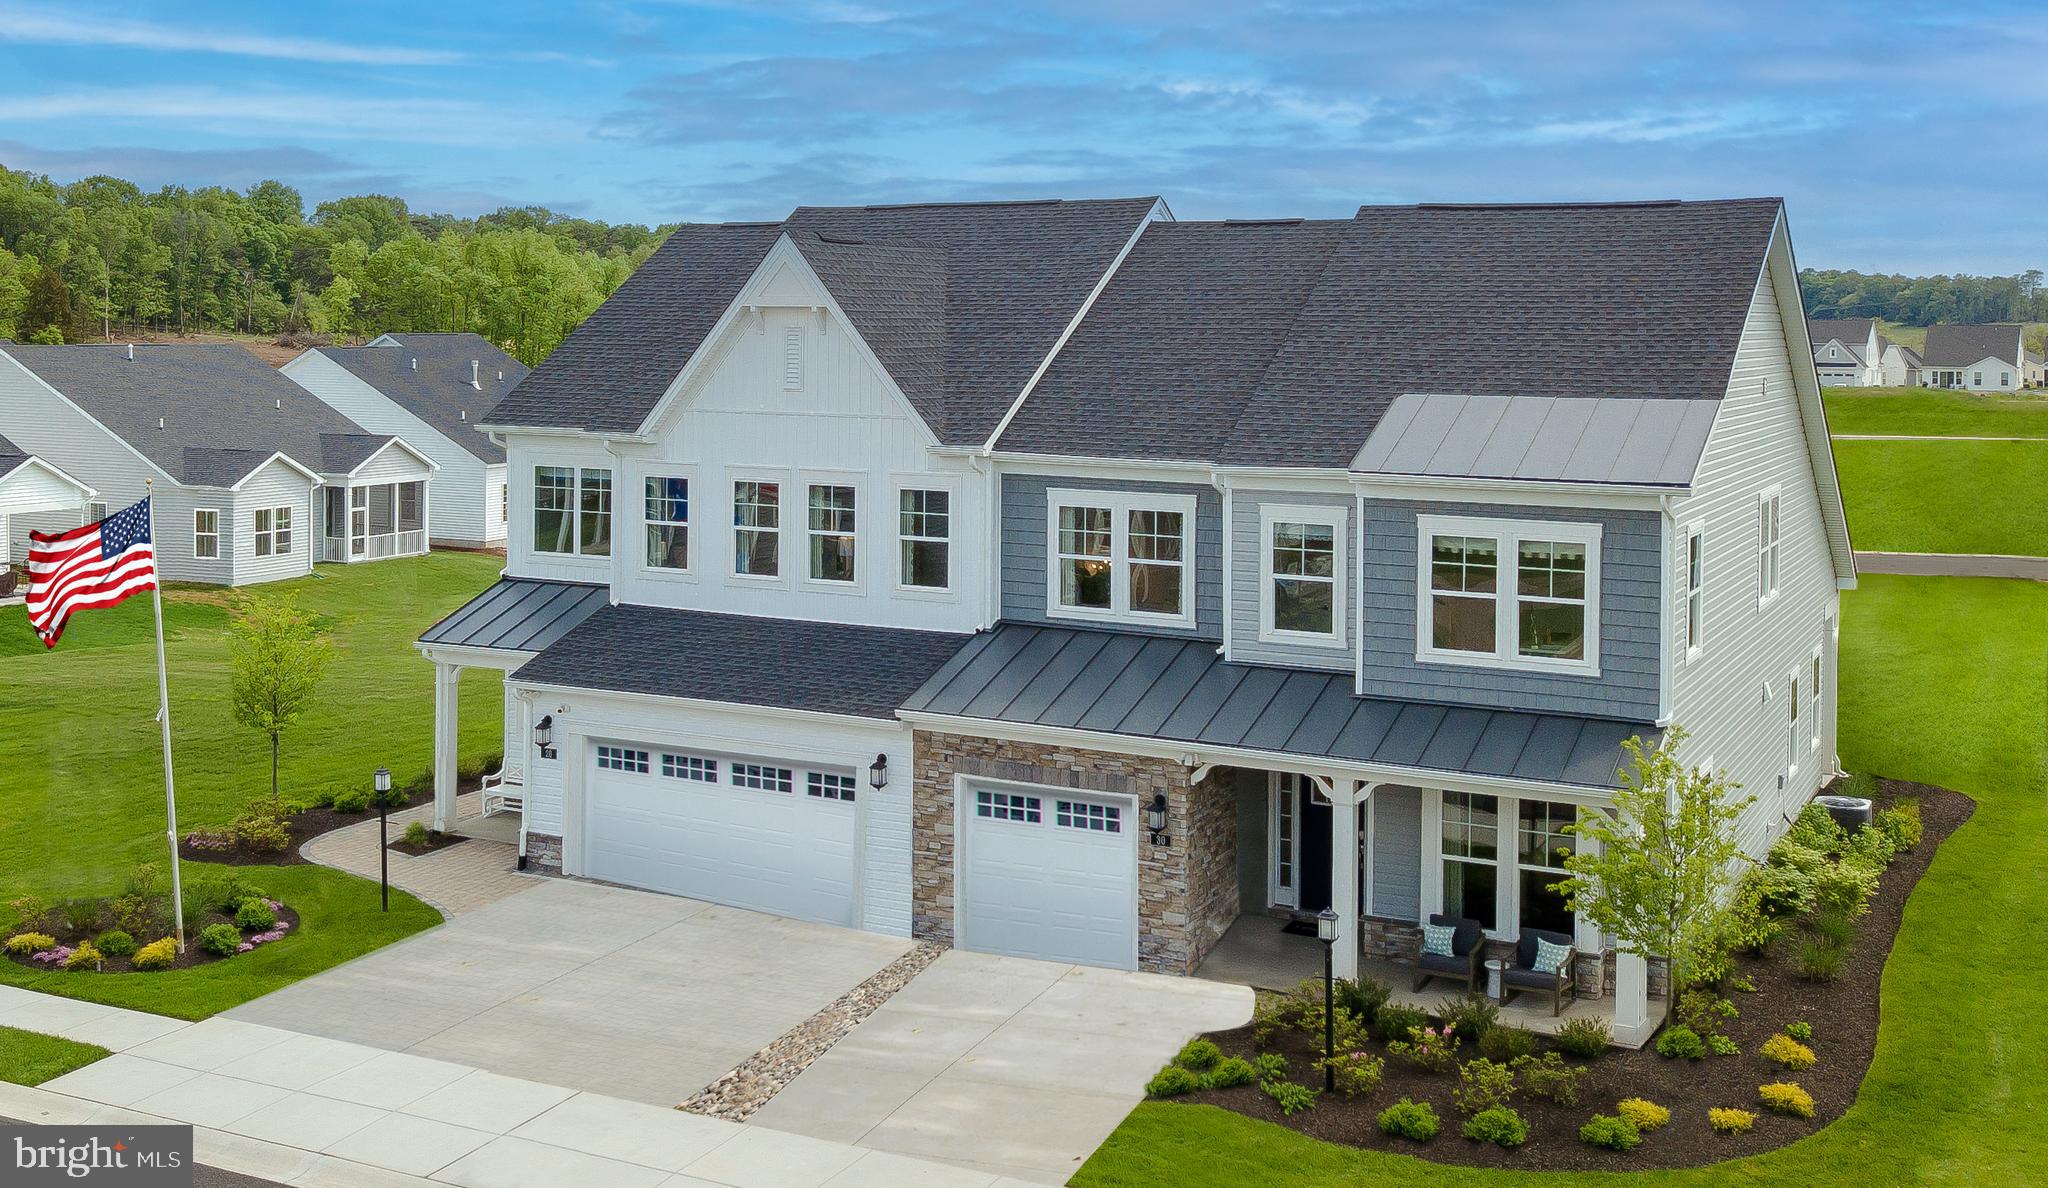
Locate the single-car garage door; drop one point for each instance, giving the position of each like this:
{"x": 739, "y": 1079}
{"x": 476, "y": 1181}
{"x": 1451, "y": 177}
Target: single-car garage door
{"x": 772, "y": 837}
{"x": 1051, "y": 875}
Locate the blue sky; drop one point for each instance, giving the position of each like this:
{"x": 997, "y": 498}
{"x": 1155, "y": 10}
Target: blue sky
{"x": 1906, "y": 136}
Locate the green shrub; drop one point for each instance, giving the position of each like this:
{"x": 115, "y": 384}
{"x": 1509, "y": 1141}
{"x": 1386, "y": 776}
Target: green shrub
{"x": 1271, "y": 1066}
{"x": 1505, "y": 1043}
{"x": 1482, "y": 1085}
{"x": 1291, "y": 1098}
{"x": 1783, "y": 1097}
{"x": 1836, "y": 927}
{"x": 157, "y": 954}
{"x": 1816, "y": 830}
{"x": 115, "y": 943}
{"x": 221, "y": 940}
{"x": 1551, "y": 1078}
{"x": 225, "y": 892}
{"x": 81, "y": 915}
{"x": 1704, "y": 1011}
{"x": 1606, "y": 1130}
{"x": 1172, "y": 1081}
{"x": 1646, "y": 1114}
{"x": 1727, "y": 1120}
{"x": 254, "y": 914}
{"x": 1679, "y": 1042}
{"x": 1801, "y": 1031}
{"x": 133, "y": 914}
{"x": 398, "y": 797}
{"x": 1584, "y": 1037}
{"x": 351, "y": 800}
{"x": 1363, "y": 997}
{"x": 1354, "y": 1073}
{"x": 1500, "y": 1126}
{"x": 1231, "y": 1072}
{"x": 1786, "y": 1052}
{"x": 29, "y": 911}
{"x": 85, "y": 956}
{"x": 1430, "y": 1049}
{"x": 1721, "y": 1045}
{"x": 1821, "y": 960}
{"x": 1471, "y": 1015}
{"x": 1199, "y": 1056}
{"x": 1395, "y": 1022}
{"x": 1844, "y": 888}
{"x": 1871, "y": 849}
{"x": 1901, "y": 823}
{"x": 416, "y": 835}
{"x": 22, "y": 944}
{"x": 1297, "y": 1010}
{"x": 1411, "y": 1120}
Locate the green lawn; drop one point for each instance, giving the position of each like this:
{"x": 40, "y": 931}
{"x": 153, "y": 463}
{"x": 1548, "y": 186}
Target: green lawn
{"x": 1946, "y": 496}
{"x": 1942, "y": 681}
{"x": 30, "y": 1058}
{"x": 1935, "y": 413}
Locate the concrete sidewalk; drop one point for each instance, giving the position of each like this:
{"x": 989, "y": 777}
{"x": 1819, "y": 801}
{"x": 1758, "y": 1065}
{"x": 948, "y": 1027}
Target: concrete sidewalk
{"x": 305, "y": 1109}
{"x": 1992, "y": 565}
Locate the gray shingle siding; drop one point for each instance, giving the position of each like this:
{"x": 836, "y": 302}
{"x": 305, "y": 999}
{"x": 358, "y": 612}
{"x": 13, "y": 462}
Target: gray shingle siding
{"x": 1248, "y": 574}
{"x": 1397, "y": 852}
{"x": 1630, "y": 580}
{"x": 1024, "y": 543}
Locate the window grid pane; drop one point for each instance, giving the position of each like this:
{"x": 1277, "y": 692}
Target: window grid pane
{"x": 1082, "y": 814}
{"x": 595, "y": 526}
{"x": 924, "y": 526}
{"x": 1084, "y": 557}
{"x": 757, "y": 520}
{"x": 690, "y": 767}
{"x": 826, "y": 785}
{"x": 1154, "y": 548}
{"x": 622, "y": 759}
{"x": 668, "y": 523}
{"x": 762, "y": 777}
{"x": 831, "y": 525}
{"x": 1006, "y": 806}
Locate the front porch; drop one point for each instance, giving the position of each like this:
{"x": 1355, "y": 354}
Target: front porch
{"x": 370, "y": 521}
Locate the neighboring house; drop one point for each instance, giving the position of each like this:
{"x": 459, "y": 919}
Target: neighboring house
{"x": 1900, "y": 365}
{"x": 254, "y": 479}
{"x": 429, "y": 389}
{"x": 1977, "y": 358}
{"x": 30, "y": 486}
{"x": 1847, "y": 352}
{"x": 2036, "y": 369}
{"x": 1060, "y": 580}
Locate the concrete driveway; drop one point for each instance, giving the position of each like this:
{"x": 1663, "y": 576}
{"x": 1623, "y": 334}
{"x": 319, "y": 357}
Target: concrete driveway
{"x": 634, "y": 995}
{"x": 1015, "y": 1067}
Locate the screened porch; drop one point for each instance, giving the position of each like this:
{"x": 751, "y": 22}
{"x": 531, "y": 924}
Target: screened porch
{"x": 372, "y": 521}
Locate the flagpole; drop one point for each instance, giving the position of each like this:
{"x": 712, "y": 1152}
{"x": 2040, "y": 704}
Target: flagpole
{"x": 163, "y": 717}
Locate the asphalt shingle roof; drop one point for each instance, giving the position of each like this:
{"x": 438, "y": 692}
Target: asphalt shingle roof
{"x": 1852, "y": 333}
{"x": 437, "y": 390}
{"x": 1960, "y": 346}
{"x": 221, "y": 408}
{"x": 833, "y": 668}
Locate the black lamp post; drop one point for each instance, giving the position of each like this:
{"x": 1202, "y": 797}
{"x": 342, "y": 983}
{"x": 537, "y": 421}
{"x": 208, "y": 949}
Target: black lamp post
{"x": 383, "y": 786}
{"x": 1326, "y": 932}
{"x": 878, "y": 773}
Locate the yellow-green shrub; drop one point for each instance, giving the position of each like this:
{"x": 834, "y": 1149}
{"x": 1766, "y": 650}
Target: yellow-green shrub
{"x": 157, "y": 954}
{"x": 1646, "y": 1114}
{"x": 24, "y": 943}
{"x": 1786, "y": 1052}
{"x": 83, "y": 957}
{"x": 1783, "y": 1097}
{"x": 1726, "y": 1120}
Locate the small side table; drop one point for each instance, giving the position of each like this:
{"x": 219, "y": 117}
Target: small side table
{"x": 1496, "y": 970}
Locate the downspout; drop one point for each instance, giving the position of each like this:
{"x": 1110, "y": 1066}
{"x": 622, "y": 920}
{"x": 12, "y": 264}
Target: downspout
{"x": 1218, "y": 480}
{"x": 1665, "y": 646}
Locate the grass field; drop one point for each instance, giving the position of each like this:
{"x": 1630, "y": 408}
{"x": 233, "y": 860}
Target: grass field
{"x": 1946, "y": 496}
{"x": 1934, "y": 413}
{"x": 30, "y": 1058}
{"x": 1943, "y": 681}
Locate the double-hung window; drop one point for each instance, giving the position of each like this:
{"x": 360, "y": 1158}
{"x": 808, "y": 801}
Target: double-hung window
{"x": 668, "y": 522}
{"x": 1695, "y": 591}
{"x": 1303, "y": 597}
{"x": 924, "y": 533}
{"x": 95, "y": 511}
{"x": 1115, "y": 554}
{"x": 273, "y": 531}
{"x": 1471, "y": 858}
{"x": 1509, "y": 594}
{"x": 265, "y": 534}
{"x": 1499, "y": 859}
{"x": 281, "y": 517}
{"x": 756, "y": 528}
{"x": 206, "y": 533}
{"x": 572, "y": 510}
{"x": 831, "y": 529}
{"x": 1767, "y": 546}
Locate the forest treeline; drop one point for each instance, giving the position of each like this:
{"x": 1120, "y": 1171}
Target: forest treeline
{"x": 1925, "y": 300}
{"x": 86, "y": 260}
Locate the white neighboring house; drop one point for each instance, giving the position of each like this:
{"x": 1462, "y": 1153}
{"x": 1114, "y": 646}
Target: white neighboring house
{"x": 254, "y": 479}
{"x": 1901, "y": 365}
{"x": 1847, "y": 352}
{"x": 30, "y": 486}
{"x": 1989, "y": 358}
{"x": 430, "y": 390}
{"x": 2036, "y": 369}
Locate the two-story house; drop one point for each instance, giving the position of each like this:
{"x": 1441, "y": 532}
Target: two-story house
{"x": 1061, "y": 580}
{"x": 1848, "y": 352}
{"x": 1989, "y": 358}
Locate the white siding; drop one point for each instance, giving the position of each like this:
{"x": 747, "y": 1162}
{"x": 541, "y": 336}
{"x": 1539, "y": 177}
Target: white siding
{"x": 465, "y": 495}
{"x": 1732, "y": 697}
{"x": 391, "y": 465}
{"x": 32, "y": 491}
{"x": 275, "y": 485}
{"x": 53, "y": 429}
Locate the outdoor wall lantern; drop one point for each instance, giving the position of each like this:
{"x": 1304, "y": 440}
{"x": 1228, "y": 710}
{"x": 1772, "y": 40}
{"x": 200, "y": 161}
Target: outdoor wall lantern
{"x": 543, "y": 735}
{"x": 878, "y": 773}
{"x": 1155, "y": 819}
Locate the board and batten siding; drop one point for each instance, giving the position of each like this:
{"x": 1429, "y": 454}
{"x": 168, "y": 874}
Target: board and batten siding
{"x": 465, "y": 495}
{"x": 1396, "y": 882}
{"x": 1025, "y": 576}
{"x": 1631, "y": 553}
{"x": 1732, "y": 698}
{"x": 1248, "y": 576}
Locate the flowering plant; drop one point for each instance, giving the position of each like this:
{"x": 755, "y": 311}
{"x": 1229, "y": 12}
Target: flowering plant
{"x": 1431, "y": 1049}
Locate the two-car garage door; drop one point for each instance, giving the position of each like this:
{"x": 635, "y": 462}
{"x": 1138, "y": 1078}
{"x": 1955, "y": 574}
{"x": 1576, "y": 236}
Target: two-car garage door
{"x": 1049, "y": 874}
{"x": 763, "y": 835}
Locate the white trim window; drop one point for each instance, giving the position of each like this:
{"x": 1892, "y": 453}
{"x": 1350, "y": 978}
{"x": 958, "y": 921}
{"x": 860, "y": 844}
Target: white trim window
{"x": 1695, "y": 591}
{"x": 1471, "y": 858}
{"x": 1767, "y": 545}
{"x": 1541, "y": 847}
{"x": 273, "y": 531}
{"x": 924, "y": 531}
{"x": 668, "y": 522}
{"x": 205, "y": 533}
{"x": 572, "y": 510}
{"x": 95, "y": 512}
{"x": 1792, "y": 747}
{"x": 757, "y": 528}
{"x": 1119, "y": 555}
{"x": 1816, "y": 687}
{"x": 282, "y": 516}
{"x": 1284, "y": 834}
{"x": 831, "y": 529}
{"x": 1507, "y": 594}
{"x": 264, "y": 533}
{"x": 1301, "y": 599}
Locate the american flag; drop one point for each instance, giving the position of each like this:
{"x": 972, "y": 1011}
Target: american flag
{"x": 98, "y": 565}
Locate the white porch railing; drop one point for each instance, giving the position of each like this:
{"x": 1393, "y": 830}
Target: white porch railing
{"x": 374, "y": 548}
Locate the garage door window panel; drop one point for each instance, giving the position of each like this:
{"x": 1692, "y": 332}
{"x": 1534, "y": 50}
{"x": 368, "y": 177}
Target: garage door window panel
{"x": 763, "y": 778}
{"x": 690, "y": 767}
{"x": 622, "y": 759}
{"x": 1087, "y": 814}
{"x": 1007, "y": 806}
{"x": 825, "y": 785}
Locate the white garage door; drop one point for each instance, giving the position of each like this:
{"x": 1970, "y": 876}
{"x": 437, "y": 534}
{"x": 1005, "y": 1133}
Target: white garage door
{"x": 775, "y": 838}
{"x": 1051, "y": 875}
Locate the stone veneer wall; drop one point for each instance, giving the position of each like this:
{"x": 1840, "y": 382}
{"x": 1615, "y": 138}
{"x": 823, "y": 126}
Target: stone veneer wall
{"x": 544, "y": 853}
{"x": 1187, "y": 889}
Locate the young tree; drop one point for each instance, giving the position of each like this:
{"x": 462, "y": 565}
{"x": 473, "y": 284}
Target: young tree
{"x": 1657, "y": 878}
{"x": 279, "y": 657}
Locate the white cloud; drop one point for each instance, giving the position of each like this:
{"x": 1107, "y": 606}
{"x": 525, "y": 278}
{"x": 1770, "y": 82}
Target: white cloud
{"x": 267, "y": 112}
{"x": 40, "y": 26}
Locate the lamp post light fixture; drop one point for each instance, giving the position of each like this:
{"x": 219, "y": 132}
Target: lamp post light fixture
{"x": 1326, "y": 932}
{"x": 382, "y": 782}
{"x": 878, "y": 773}
{"x": 544, "y": 734}
{"x": 1155, "y": 820}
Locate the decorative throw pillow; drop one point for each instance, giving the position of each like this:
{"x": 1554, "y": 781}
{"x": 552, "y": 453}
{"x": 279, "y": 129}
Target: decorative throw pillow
{"x": 1436, "y": 939}
{"x": 1549, "y": 956}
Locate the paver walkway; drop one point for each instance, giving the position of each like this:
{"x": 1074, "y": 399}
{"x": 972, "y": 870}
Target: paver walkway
{"x": 459, "y": 879}
{"x": 1997, "y": 565}
{"x": 306, "y": 1109}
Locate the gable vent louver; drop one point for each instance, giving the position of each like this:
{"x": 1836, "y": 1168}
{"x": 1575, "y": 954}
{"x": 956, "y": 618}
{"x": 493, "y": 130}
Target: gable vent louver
{"x": 792, "y": 358}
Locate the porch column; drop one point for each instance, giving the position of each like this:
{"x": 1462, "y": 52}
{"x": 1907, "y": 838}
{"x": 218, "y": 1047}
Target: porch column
{"x": 1632, "y": 1022}
{"x": 1344, "y": 875}
{"x": 447, "y": 705}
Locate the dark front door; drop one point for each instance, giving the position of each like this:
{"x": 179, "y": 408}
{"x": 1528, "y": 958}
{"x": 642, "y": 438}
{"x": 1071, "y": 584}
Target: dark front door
{"x": 1315, "y": 854}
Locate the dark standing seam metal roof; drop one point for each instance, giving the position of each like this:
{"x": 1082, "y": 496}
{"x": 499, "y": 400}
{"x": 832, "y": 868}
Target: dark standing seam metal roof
{"x": 1549, "y": 438}
{"x": 1171, "y": 350}
{"x": 833, "y": 668}
{"x": 1641, "y": 300}
{"x": 438, "y": 390}
{"x": 518, "y": 615}
{"x": 1960, "y": 346}
{"x": 221, "y": 407}
{"x": 1155, "y": 687}
{"x": 1015, "y": 274}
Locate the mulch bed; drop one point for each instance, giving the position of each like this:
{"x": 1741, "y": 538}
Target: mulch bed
{"x": 1844, "y": 1015}
{"x": 303, "y": 827}
{"x": 192, "y": 955}
{"x": 436, "y": 840}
